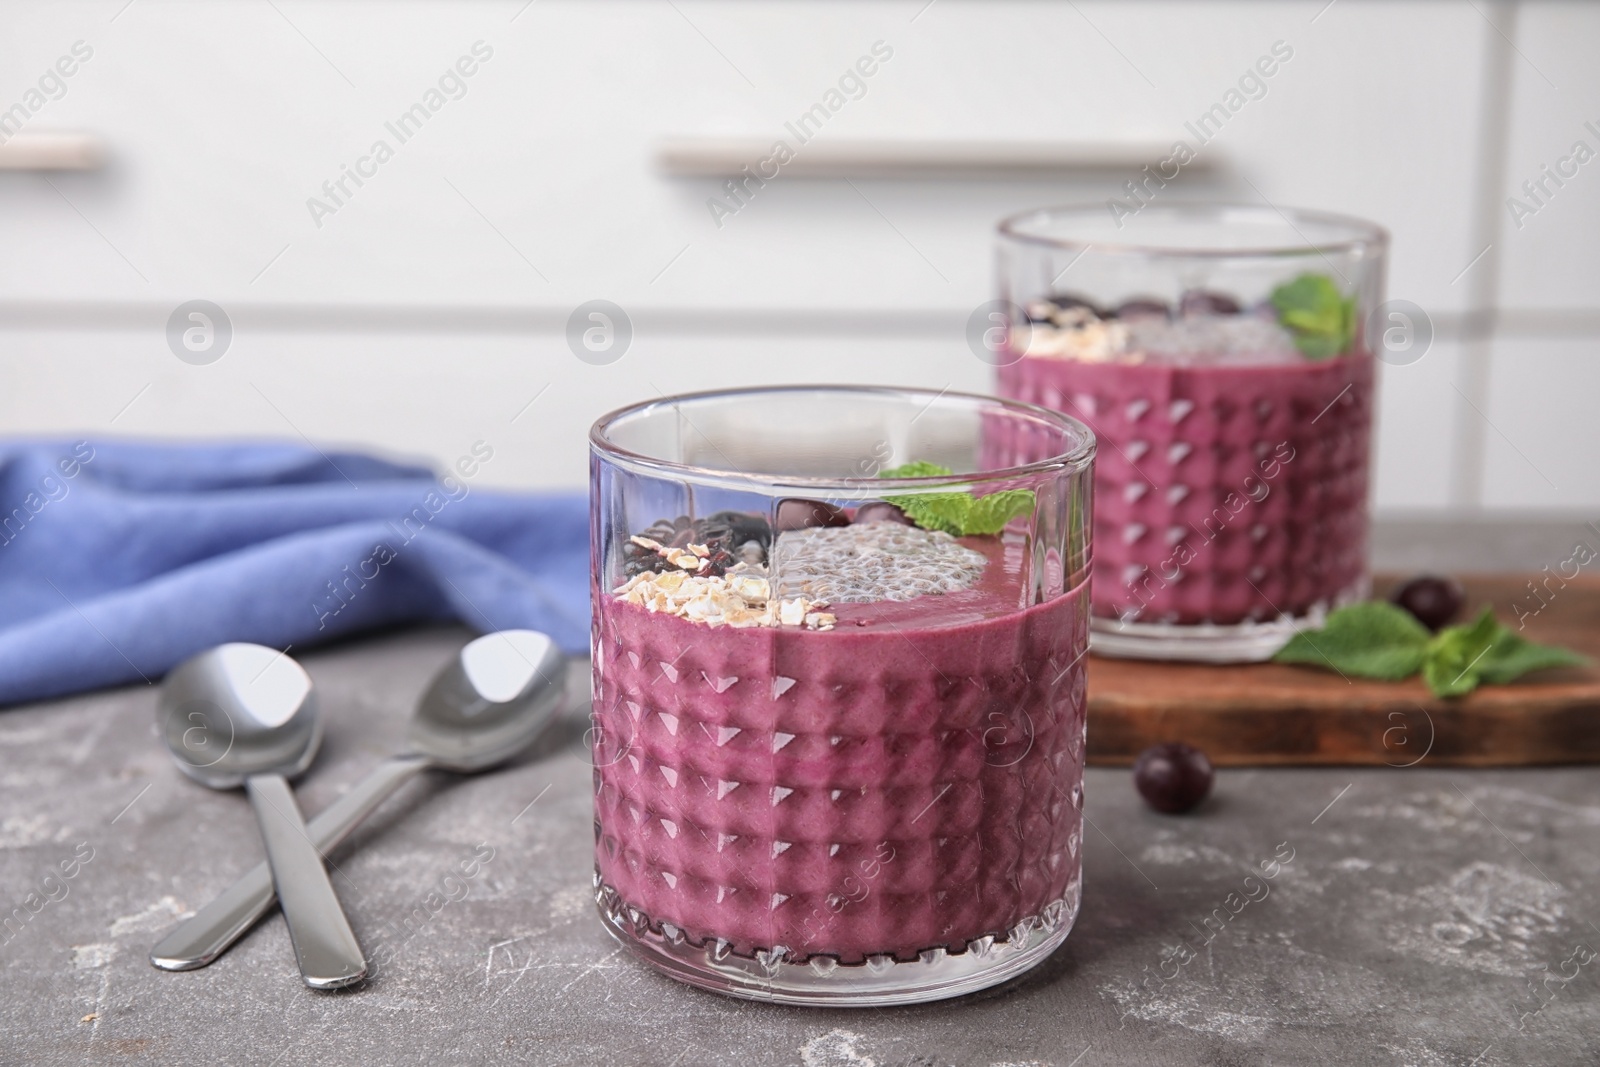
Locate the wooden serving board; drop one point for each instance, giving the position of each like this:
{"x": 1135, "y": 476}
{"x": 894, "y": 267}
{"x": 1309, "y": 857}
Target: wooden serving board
{"x": 1270, "y": 714}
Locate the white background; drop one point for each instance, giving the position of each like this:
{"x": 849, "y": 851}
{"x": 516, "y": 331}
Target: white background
{"x": 430, "y": 310}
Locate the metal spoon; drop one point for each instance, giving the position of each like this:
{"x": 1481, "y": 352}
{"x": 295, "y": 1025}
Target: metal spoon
{"x": 243, "y": 714}
{"x": 487, "y": 705}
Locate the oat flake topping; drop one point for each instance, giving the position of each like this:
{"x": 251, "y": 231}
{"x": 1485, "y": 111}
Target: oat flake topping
{"x": 740, "y": 598}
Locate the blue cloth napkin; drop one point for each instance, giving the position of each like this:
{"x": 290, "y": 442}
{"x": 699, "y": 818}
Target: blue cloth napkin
{"x": 119, "y": 559}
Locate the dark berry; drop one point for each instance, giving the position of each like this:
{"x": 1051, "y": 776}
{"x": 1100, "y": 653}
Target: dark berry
{"x": 636, "y": 560}
{"x": 1203, "y": 302}
{"x": 1039, "y": 313}
{"x": 1172, "y": 777}
{"x": 1432, "y": 599}
{"x": 797, "y": 513}
{"x": 724, "y": 534}
{"x": 741, "y": 528}
{"x": 1068, "y": 301}
{"x": 882, "y": 511}
{"x": 666, "y": 531}
{"x": 1143, "y": 307}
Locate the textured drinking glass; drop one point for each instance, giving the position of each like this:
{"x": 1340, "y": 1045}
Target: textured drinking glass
{"x": 839, "y": 716}
{"x": 1218, "y": 354}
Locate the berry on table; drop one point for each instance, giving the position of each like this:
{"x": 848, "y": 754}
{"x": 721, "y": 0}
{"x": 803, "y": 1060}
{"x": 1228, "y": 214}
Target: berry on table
{"x": 1433, "y": 599}
{"x": 1172, "y": 777}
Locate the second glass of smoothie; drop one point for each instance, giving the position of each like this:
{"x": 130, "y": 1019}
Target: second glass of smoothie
{"x": 839, "y": 647}
{"x": 1217, "y": 354}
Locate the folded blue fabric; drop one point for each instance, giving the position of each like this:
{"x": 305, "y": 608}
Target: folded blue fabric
{"x": 120, "y": 559}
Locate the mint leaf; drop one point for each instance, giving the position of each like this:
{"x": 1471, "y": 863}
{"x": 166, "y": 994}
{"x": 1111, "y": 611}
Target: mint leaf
{"x": 989, "y": 514}
{"x": 919, "y": 468}
{"x": 1462, "y": 657}
{"x": 936, "y": 511}
{"x": 931, "y": 511}
{"x": 1513, "y": 656}
{"x": 1377, "y": 639}
{"x": 1372, "y": 639}
{"x": 1318, "y": 346}
{"x": 958, "y": 514}
{"x": 1321, "y": 321}
{"x": 1310, "y": 302}
{"x": 1456, "y": 655}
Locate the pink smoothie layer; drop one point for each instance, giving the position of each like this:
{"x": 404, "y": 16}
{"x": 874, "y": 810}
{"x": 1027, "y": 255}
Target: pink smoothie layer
{"x": 908, "y": 780}
{"x": 1223, "y": 493}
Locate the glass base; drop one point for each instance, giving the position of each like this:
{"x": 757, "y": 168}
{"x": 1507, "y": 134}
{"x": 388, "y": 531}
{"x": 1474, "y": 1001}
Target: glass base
{"x": 1245, "y": 642}
{"x": 821, "y": 981}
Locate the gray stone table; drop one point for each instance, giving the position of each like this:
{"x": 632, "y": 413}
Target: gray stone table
{"x": 1424, "y": 919}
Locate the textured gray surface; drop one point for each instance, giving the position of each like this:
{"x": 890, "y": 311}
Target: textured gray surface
{"x": 1478, "y": 543}
{"x": 1416, "y": 912}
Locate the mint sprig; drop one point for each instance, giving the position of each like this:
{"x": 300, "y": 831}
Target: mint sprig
{"x": 1321, "y": 321}
{"x": 1377, "y": 639}
{"x": 1372, "y": 639}
{"x": 1486, "y": 651}
{"x": 959, "y": 514}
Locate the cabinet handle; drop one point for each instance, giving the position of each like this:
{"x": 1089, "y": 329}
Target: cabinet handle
{"x": 720, "y": 157}
{"x": 56, "y": 150}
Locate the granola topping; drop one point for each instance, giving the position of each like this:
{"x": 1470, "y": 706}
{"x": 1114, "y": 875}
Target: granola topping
{"x": 724, "y": 539}
{"x": 1076, "y": 333}
{"x": 740, "y": 598}
{"x": 1207, "y": 328}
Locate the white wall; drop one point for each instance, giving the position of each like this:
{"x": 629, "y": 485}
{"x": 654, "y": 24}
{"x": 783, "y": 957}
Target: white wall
{"x": 430, "y": 308}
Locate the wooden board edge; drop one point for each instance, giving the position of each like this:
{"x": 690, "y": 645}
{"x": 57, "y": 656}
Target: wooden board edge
{"x": 1395, "y": 733}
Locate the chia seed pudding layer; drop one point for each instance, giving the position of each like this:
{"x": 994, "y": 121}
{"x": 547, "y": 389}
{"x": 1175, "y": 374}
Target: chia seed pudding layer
{"x": 904, "y": 780}
{"x": 863, "y": 563}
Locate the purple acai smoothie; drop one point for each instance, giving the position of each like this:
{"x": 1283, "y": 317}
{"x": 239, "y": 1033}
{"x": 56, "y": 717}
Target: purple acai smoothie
{"x": 851, "y": 779}
{"x": 1231, "y": 484}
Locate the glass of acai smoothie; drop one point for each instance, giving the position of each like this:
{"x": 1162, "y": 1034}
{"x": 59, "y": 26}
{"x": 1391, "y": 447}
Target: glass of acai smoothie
{"x": 839, "y": 645}
{"x": 1217, "y": 352}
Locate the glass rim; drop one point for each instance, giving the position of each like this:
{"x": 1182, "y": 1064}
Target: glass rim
{"x": 1076, "y": 459}
{"x": 1362, "y": 232}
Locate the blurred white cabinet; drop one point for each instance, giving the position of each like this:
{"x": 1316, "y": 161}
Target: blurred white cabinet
{"x": 1550, "y": 257}
{"x": 537, "y": 184}
{"x": 1541, "y": 435}
{"x": 1543, "y": 448}
{"x": 531, "y": 188}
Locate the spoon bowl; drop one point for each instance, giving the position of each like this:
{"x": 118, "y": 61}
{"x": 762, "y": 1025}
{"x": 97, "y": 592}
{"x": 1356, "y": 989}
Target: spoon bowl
{"x": 490, "y": 702}
{"x": 237, "y": 710}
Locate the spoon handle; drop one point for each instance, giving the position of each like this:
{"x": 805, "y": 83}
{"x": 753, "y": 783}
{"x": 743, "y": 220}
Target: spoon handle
{"x": 204, "y": 936}
{"x": 324, "y": 944}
